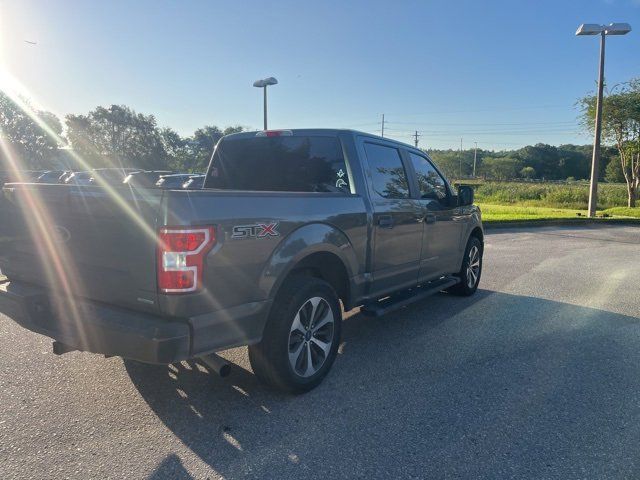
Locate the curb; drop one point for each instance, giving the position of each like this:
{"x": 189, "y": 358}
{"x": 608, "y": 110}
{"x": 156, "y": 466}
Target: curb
{"x": 560, "y": 222}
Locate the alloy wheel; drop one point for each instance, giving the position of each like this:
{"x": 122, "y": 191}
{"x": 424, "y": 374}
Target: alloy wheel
{"x": 311, "y": 337}
{"x": 473, "y": 267}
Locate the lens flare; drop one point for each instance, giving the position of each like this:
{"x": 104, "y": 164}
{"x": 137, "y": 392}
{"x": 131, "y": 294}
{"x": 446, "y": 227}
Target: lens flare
{"x": 61, "y": 270}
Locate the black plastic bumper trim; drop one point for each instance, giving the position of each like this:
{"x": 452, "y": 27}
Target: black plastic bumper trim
{"x": 96, "y": 328}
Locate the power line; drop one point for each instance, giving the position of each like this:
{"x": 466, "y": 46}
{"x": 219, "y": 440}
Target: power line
{"x": 456, "y": 133}
{"x": 492, "y": 109}
{"x": 435, "y": 124}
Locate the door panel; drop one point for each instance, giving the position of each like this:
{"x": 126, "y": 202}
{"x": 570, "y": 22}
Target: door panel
{"x": 442, "y": 228}
{"x": 397, "y": 227}
{"x": 397, "y": 247}
{"x": 441, "y": 240}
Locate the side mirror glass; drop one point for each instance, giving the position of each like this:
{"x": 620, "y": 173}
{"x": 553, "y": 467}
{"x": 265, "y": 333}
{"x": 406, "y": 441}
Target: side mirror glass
{"x": 465, "y": 196}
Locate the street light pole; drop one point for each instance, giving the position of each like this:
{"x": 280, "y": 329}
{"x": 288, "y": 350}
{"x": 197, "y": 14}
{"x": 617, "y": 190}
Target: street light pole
{"x": 603, "y": 31}
{"x": 595, "y": 161}
{"x": 264, "y": 83}
{"x": 265, "y": 106}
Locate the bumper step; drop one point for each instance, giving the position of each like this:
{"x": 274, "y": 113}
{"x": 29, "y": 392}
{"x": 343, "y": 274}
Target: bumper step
{"x": 399, "y": 300}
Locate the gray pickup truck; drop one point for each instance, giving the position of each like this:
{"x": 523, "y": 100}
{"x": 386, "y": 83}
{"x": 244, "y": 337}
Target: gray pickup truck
{"x": 291, "y": 228}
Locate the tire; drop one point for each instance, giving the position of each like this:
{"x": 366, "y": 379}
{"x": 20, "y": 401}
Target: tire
{"x": 471, "y": 269}
{"x": 304, "y": 324}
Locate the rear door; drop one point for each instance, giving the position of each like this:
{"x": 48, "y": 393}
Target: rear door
{"x": 397, "y": 227}
{"x": 443, "y": 222}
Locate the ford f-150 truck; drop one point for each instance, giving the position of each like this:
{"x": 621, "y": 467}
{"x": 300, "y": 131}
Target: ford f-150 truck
{"x": 291, "y": 228}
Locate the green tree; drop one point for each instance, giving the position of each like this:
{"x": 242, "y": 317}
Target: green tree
{"x": 117, "y": 137}
{"x": 232, "y": 130}
{"x": 33, "y": 146}
{"x": 177, "y": 149}
{"x": 544, "y": 159}
{"x": 621, "y": 127}
{"x": 528, "y": 173}
{"x": 454, "y": 163}
{"x": 192, "y": 154}
{"x": 501, "y": 168}
{"x": 202, "y": 144}
{"x": 613, "y": 172}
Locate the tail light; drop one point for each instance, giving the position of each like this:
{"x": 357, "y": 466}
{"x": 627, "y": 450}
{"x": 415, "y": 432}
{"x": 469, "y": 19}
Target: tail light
{"x": 181, "y": 254}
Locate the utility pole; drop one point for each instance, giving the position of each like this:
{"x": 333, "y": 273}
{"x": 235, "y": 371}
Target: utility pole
{"x": 475, "y": 157}
{"x": 382, "y": 134}
{"x": 460, "y": 169}
{"x": 415, "y": 138}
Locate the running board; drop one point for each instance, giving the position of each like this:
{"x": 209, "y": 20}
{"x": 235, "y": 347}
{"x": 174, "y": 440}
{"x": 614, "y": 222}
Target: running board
{"x": 399, "y": 300}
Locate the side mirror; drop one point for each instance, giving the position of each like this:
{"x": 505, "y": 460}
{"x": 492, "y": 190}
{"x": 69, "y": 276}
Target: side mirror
{"x": 465, "y": 196}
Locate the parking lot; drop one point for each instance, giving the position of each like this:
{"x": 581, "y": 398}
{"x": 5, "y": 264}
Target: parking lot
{"x": 537, "y": 375}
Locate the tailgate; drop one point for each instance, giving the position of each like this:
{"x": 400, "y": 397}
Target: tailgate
{"x": 82, "y": 241}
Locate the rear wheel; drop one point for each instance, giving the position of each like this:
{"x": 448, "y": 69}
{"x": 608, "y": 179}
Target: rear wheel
{"x": 301, "y": 338}
{"x": 471, "y": 270}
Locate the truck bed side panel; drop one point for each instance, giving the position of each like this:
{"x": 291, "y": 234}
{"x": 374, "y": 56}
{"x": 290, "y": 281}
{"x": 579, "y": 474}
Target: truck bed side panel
{"x": 236, "y": 265}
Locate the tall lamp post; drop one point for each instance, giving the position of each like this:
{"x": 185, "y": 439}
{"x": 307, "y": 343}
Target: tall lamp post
{"x": 264, "y": 83}
{"x": 603, "y": 31}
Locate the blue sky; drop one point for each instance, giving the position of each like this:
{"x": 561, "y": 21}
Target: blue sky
{"x": 502, "y": 73}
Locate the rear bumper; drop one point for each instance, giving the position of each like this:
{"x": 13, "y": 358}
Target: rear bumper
{"x": 96, "y": 328}
{"x": 99, "y": 328}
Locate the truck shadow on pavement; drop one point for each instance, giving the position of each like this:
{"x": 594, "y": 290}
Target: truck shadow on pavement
{"x": 490, "y": 386}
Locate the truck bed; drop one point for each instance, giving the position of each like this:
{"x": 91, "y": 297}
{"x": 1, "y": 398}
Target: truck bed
{"x": 101, "y": 245}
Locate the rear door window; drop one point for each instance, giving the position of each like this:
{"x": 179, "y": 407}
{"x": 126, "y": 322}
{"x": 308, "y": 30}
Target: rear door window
{"x": 388, "y": 176}
{"x": 280, "y": 164}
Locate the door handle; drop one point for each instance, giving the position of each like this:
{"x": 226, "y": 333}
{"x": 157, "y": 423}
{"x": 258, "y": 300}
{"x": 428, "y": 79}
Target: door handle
{"x": 430, "y": 218}
{"x": 385, "y": 221}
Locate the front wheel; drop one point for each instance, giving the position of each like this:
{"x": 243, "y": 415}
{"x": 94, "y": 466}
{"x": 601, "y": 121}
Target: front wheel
{"x": 471, "y": 270}
{"x": 301, "y": 338}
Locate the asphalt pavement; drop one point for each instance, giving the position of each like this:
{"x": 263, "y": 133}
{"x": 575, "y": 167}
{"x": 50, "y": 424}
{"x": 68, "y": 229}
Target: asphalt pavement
{"x": 535, "y": 376}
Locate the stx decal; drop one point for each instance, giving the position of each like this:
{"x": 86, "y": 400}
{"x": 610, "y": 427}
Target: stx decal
{"x": 259, "y": 230}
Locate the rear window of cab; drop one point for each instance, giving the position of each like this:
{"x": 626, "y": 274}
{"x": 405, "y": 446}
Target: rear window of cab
{"x": 280, "y": 164}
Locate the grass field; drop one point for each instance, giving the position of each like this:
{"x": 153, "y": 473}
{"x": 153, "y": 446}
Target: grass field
{"x": 624, "y": 212}
{"x": 498, "y": 213}
{"x": 524, "y": 201}
{"x": 511, "y": 213}
{"x": 574, "y": 195}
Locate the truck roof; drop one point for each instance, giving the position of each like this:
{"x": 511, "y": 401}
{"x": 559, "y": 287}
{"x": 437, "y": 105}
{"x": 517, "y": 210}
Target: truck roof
{"x": 319, "y": 131}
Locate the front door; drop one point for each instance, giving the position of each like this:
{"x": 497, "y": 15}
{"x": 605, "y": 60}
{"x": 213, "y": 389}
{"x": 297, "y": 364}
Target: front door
{"x": 397, "y": 227}
{"x": 443, "y": 223}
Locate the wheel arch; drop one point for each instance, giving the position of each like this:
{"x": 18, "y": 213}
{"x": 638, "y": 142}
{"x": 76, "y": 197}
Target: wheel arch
{"x": 319, "y": 250}
{"x": 478, "y": 233}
